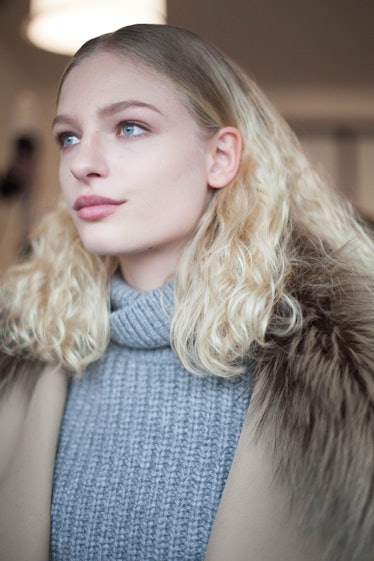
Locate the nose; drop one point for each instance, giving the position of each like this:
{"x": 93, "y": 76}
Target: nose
{"x": 88, "y": 160}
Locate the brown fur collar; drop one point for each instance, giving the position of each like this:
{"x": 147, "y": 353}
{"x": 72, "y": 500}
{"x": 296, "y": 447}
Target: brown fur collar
{"x": 314, "y": 396}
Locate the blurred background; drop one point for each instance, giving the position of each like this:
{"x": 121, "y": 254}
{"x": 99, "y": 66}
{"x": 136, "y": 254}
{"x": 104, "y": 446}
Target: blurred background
{"x": 315, "y": 61}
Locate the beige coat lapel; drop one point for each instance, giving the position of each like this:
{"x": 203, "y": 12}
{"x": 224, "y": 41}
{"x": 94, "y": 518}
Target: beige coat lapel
{"x": 29, "y": 431}
{"x": 252, "y": 522}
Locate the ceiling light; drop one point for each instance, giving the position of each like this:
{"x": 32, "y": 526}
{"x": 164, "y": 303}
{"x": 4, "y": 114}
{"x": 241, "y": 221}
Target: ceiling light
{"x": 62, "y": 26}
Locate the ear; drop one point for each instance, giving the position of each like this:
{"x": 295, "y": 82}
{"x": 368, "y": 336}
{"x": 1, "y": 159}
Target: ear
{"x": 226, "y": 148}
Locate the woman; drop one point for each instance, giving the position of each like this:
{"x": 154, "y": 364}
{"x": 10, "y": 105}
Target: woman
{"x": 197, "y": 225}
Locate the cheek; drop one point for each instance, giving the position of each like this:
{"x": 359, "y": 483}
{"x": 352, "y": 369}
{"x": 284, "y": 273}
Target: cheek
{"x": 186, "y": 173}
{"x": 181, "y": 207}
{"x": 65, "y": 182}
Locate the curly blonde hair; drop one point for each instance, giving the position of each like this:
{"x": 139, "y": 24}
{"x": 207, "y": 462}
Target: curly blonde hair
{"x": 55, "y": 306}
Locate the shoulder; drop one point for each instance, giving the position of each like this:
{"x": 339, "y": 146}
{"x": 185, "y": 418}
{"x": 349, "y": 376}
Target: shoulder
{"x": 31, "y": 408}
{"x": 18, "y": 373}
{"x": 337, "y": 304}
{"x": 31, "y": 394}
{"x": 315, "y": 402}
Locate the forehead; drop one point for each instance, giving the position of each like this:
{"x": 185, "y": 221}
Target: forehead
{"x": 108, "y": 74}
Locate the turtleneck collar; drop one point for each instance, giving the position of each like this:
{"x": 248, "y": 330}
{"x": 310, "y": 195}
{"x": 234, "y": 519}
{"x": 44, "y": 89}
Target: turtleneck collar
{"x": 140, "y": 320}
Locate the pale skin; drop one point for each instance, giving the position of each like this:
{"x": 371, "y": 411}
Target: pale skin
{"x": 136, "y": 170}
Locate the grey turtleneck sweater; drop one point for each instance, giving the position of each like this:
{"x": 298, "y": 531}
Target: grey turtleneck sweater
{"x": 145, "y": 447}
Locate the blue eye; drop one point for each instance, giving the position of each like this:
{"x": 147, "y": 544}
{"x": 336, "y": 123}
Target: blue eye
{"x": 67, "y": 139}
{"x": 130, "y": 129}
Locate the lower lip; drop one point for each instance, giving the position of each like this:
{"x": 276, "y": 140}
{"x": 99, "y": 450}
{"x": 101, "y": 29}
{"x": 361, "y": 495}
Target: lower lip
{"x": 96, "y": 212}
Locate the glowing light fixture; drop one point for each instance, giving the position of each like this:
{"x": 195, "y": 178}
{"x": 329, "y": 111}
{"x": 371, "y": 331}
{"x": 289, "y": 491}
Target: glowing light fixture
{"x": 62, "y": 26}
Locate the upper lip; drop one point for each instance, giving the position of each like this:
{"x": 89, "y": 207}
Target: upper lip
{"x": 93, "y": 200}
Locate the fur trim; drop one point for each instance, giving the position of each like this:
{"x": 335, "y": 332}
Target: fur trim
{"x": 314, "y": 396}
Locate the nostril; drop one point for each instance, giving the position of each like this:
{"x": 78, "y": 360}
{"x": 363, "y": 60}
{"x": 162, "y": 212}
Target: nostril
{"x": 88, "y": 167}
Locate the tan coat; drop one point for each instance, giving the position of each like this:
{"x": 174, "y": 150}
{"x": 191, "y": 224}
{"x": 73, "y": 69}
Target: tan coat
{"x": 251, "y": 523}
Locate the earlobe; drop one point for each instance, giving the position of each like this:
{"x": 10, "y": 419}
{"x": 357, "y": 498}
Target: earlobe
{"x": 226, "y": 152}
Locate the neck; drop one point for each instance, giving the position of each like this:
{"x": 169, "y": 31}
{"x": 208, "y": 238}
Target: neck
{"x": 149, "y": 271}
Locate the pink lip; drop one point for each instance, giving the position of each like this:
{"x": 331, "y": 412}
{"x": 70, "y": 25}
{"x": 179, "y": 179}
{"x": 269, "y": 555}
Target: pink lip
{"x": 93, "y": 207}
{"x": 94, "y": 200}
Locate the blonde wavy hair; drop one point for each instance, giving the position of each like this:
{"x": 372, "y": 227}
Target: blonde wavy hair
{"x": 55, "y": 306}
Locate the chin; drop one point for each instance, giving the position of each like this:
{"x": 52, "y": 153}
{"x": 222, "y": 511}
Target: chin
{"x": 97, "y": 247}
{"x": 97, "y": 241}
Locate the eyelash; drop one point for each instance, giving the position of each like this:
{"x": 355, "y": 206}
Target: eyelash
{"x": 128, "y": 123}
{"x": 61, "y": 136}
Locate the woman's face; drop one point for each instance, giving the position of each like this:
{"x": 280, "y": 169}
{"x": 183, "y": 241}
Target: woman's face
{"x": 134, "y": 165}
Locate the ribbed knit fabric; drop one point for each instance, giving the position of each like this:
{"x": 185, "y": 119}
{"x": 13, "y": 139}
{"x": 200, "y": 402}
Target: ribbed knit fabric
{"x": 145, "y": 447}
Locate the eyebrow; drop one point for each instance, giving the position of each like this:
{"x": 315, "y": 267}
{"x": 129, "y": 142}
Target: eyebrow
{"x": 108, "y": 110}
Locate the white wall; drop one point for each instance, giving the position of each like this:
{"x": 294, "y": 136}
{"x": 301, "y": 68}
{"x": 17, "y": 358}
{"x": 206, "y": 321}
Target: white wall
{"x": 337, "y": 132}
